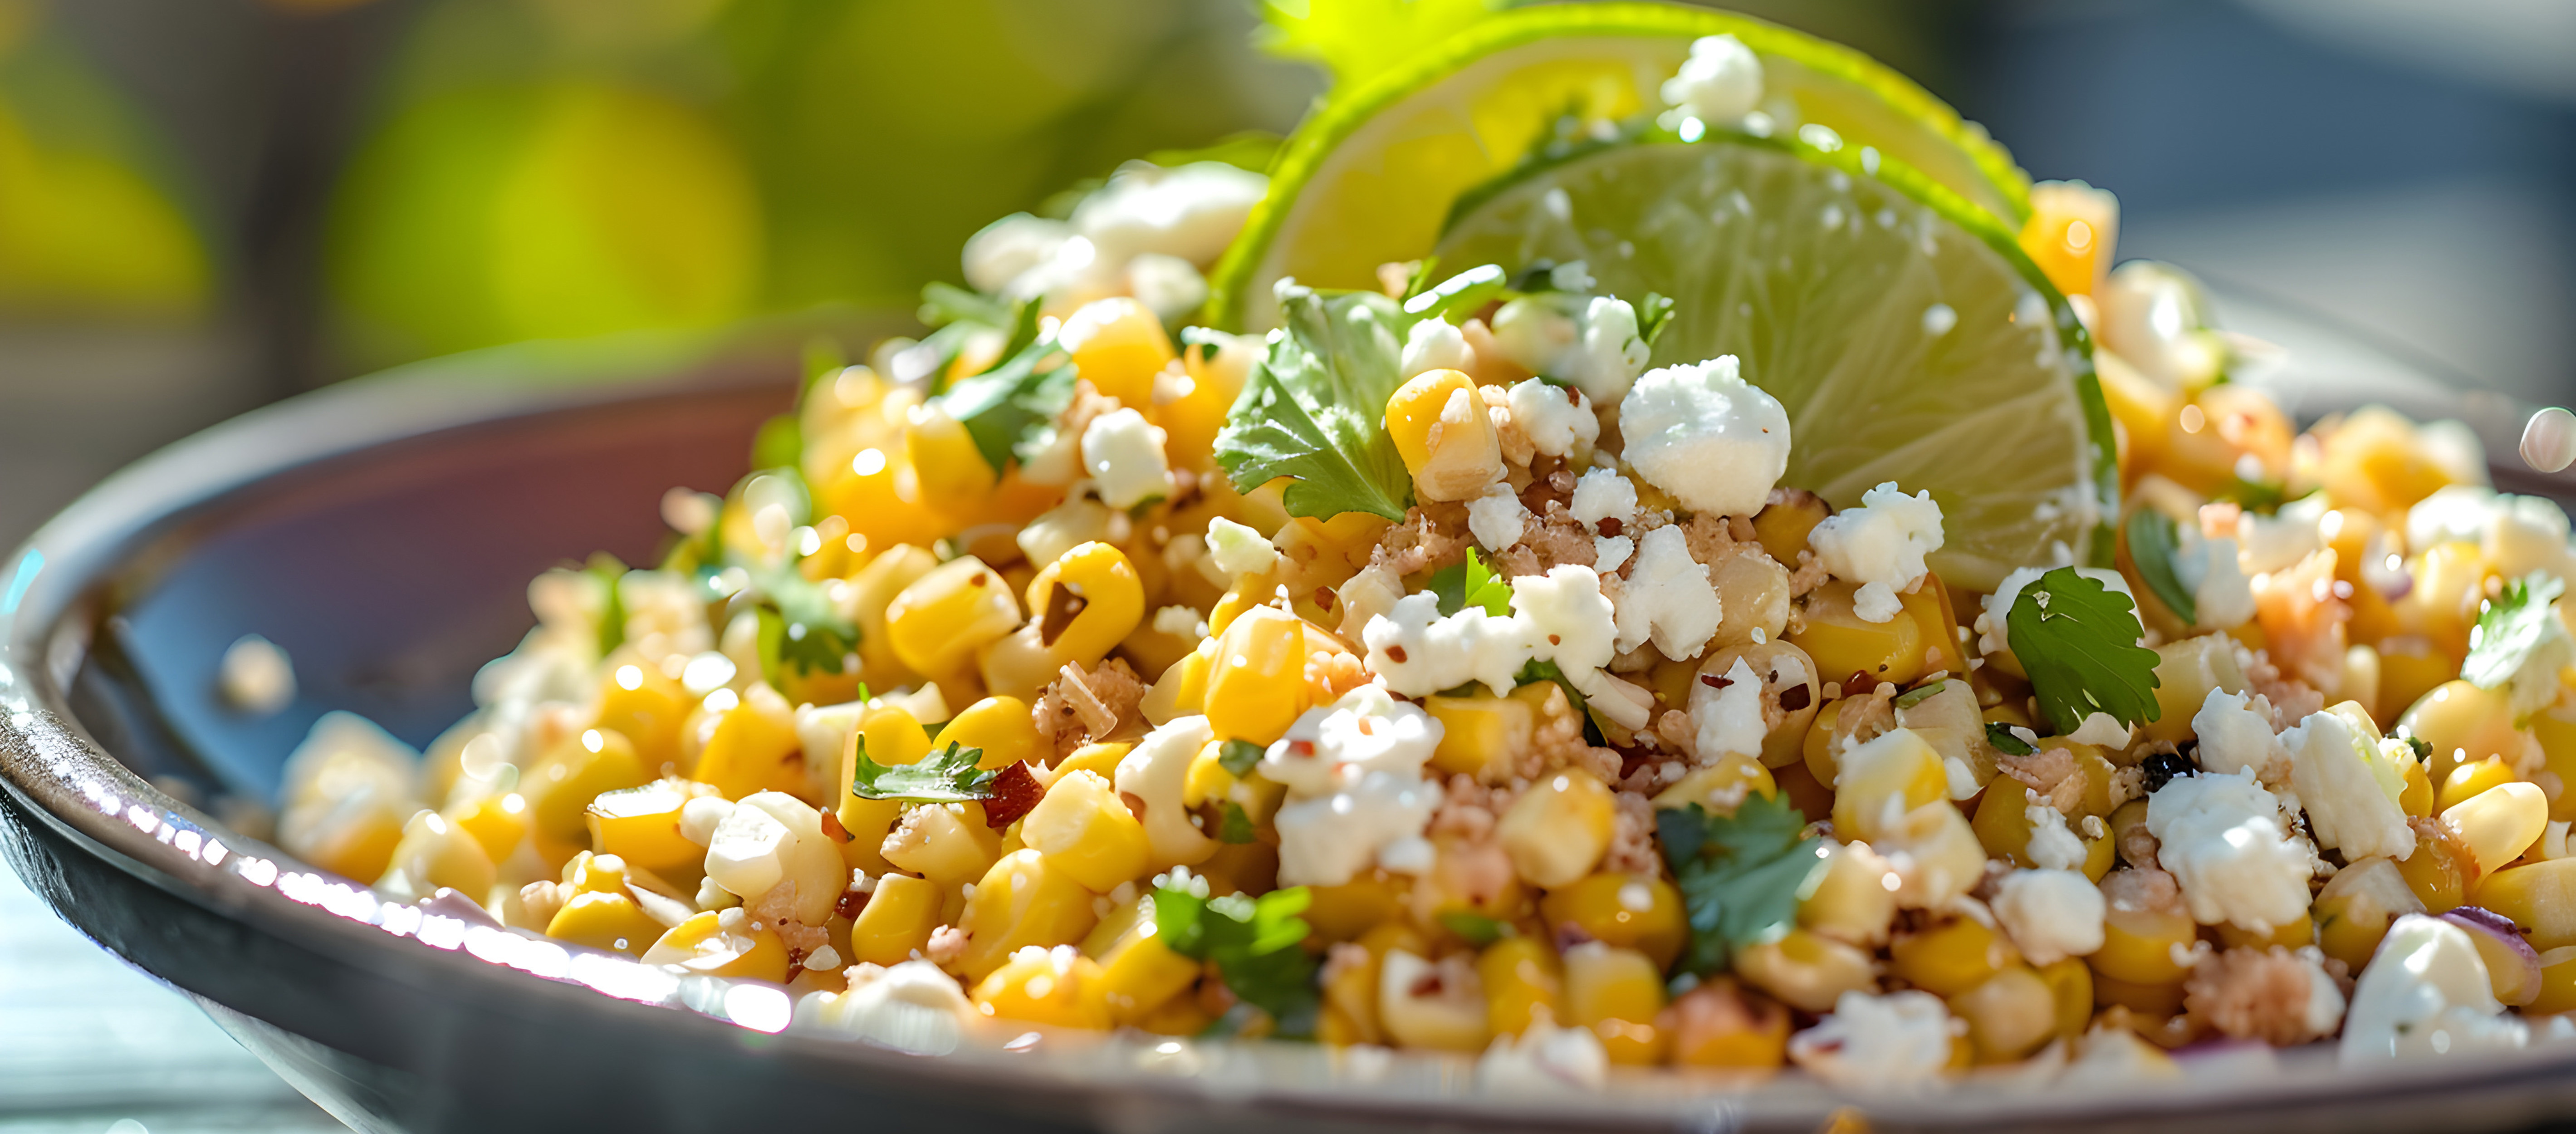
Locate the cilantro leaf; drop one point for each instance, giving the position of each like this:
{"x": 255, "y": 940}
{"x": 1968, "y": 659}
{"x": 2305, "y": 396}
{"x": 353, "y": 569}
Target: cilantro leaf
{"x": 2510, "y": 626}
{"x": 947, "y": 776}
{"x": 1471, "y": 583}
{"x": 2078, "y": 640}
{"x": 1654, "y": 313}
{"x": 1236, "y": 826}
{"x": 1739, "y": 875}
{"x": 1315, "y": 409}
{"x": 1537, "y": 671}
{"x": 800, "y": 626}
{"x": 2001, "y": 736}
{"x": 612, "y": 612}
{"x": 1238, "y": 757}
{"x": 2154, "y": 541}
{"x": 1356, "y": 40}
{"x": 1477, "y": 929}
{"x": 1256, "y": 944}
{"x": 1006, "y": 407}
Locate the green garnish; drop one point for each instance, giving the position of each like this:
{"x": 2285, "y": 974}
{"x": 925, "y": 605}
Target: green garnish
{"x": 1740, "y": 875}
{"x": 1654, "y": 313}
{"x": 1256, "y": 944}
{"x": 2001, "y": 736}
{"x": 1471, "y": 583}
{"x": 2510, "y": 626}
{"x": 1315, "y": 409}
{"x": 2154, "y": 541}
{"x": 1006, "y": 408}
{"x": 1919, "y": 694}
{"x": 2422, "y": 748}
{"x": 800, "y": 626}
{"x": 2078, "y": 640}
{"x": 947, "y": 776}
{"x": 1477, "y": 929}
{"x": 1238, "y": 757}
{"x": 1235, "y": 826}
{"x": 612, "y": 611}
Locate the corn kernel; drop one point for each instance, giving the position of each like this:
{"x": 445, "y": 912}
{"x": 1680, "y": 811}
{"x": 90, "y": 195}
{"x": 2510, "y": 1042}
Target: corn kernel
{"x": 1720, "y": 787}
{"x": 2539, "y": 896}
{"x": 560, "y": 785}
{"x": 871, "y": 591}
{"x": 2557, "y": 991}
{"x": 754, "y": 748}
{"x": 1878, "y": 783}
{"x": 1720, "y": 1024}
{"x": 435, "y": 853}
{"x": 1257, "y": 687}
{"x": 897, "y": 920}
{"x": 642, "y": 825}
{"x": 1140, "y": 974}
{"x": 1843, "y": 643}
{"x": 2498, "y": 824}
{"x": 1023, "y": 900}
{"x": 2467, "y": 780}
{"x": 1481, "y": 736}
{"x": 2415, "y": 796}
{"x": 1087, "y": 832}
{"x": 938, "y": 623}
{"x": 1952, "y": 958}
{"x": 606, "y": 921}
{"x": 498, "y": 822}
{"x": 2071, "y": 232}
{"x": 1783, "y": 526}
{"x": 1634, "y": 911}
{"x": 1356, "y": 907}
{"x": 1447, "y": 440}
{"x": 2464, "y": 725}
{"x": 1618, "y": 993}
{"x": 2009, "y": 1015}
{"x": 1047, "y": 986}
{"x": 2139, "y": 946}
{"x": 890, "y": 736}
{"x": 1855, "y": 900}
{"x": 1806, "y": 970}
{"x": 2442, "y": 868}
{"x": 1523, "y": 984}
{"x": 1003, "y": 727}
{"x": 2070, "y": 988}
{"x": 1119, "y": 346}
{"x": 2352, "y": 912}
{"x": 1556, "y": 831}
{"x": 947, "y": 843}
{"x": 639, "y": 702}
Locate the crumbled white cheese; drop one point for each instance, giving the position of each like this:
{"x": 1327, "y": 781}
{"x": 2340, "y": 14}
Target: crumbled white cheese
{"x": 2050, "y": 914}
{"x": 2426, "y": 992}
{"x": 1435, "y": 345}
{"x": 1168, "y": 285}
{"x": 2455, "y": 513}
{"x": 1009, "y": 247}
{"x": 1719, "y": 84}
{"x": 2236, "y": 735}
{"x": 1496, "y": 518}
{"x": 2053, "y": 845}
{"x": 1190, "y": 212}
{"x": 1590, "y": 342}
{"x": 1567, "y": 618}
{"x": 1992, "y": 626}
{"x": 1555, "y": 418}
{"x": 1157, "y": 771}
{"x": 1668, "y": 598}
{"x": 2279, "y": 541}
{"x": 1544, "y": 1057}
{"x": 2219, "y": 834}
{"x": 700, "y": 817}
{"x": 913, "y": 1007}
{"x": 2534, "y": 684}
{"x": 1124, "y": 455}
{"x": 1417, "y": 652}
{"x": 747, "y": 854}
{"x": 1353, "y": 770}
{"x": 2325, "y": 997}
{"x": 1732, "y": 720}
{"x": 1706, "y": 437}
{"x": 1880, "y": 545}
{"x": 1603, "y": 494}
{"x": 1238, "y": 549}
{"x": 2349, "y": 786}
{"x": 1899, "y": 1041}
{"x": 1609, "y": 553}
{"x": 2222, "y": 596}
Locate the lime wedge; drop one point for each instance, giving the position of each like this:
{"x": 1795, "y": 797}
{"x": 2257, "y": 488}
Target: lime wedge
{"x": 1370, "y": 180}
{"x": 1905, "y": 333}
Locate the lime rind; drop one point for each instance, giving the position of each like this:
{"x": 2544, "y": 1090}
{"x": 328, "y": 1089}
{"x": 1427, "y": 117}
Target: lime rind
{"x": 1315, "y": 142}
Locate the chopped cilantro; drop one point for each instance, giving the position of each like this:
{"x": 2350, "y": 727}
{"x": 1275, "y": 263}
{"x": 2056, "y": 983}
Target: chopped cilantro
{"x": 1477, "y": 929}
{"x": 1238, "y": 757}
{"x": 1538, "y": 671}
{"x": 612, "y": 610}
{"x": 1314, "y": 410}
{"x": 1006, "y": 408}
{"x": 2510, "y": 626}
{"x": 1739, "y": 875}
{"x": 1357, "y": 40}
{"x": 1256, "y": 944}
{"x": 1654, "y": 313}
{"x": 1236, "y": 826}
{"x": 2001, "y": 736}
{"x": 947, "y": 776}
{"x": 2422, "y": 748}
{"x": 1471, "y": 583}
{"x": 2154, "y": 541}
{"x": 800, "y": 626}
{"x": 2078, "y": 640}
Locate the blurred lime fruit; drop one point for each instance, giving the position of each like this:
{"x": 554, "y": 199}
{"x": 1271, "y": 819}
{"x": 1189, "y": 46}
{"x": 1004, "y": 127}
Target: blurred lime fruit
{"x": 1369, "y": 180}
{"x": 1904, "y": 331}
{"x": 82, "y": 233}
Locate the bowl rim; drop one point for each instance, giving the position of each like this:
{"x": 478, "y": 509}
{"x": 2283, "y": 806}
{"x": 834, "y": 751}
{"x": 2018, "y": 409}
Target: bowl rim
{"x": 56, "y": 771}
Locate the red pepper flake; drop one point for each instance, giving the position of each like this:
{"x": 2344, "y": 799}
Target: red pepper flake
{"x": 1301, "y": 747}
{"x": 1324, "y": 597}
{"x": 1015, "y": 791}
{"x": 1610, "y": 526}
{"x": 1713, "y": 681}
{"x": 1428, "y": 984}
{"x": 852, "y": 901}
{"x": 1571, "y": 397}
{"x": 1396, "y": 653}
{"x": 1859, "y": 684}
{"x": 832, "y": 826}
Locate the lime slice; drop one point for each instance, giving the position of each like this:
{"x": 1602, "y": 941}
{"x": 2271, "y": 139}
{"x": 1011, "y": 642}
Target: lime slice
{"x": 1370, "y": 180}
{"x": 1905, "y": 333}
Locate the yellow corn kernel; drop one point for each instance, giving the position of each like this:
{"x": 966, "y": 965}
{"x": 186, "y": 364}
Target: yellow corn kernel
{"x": 1523, "y": 984}
{"x": 897, "y": 920}
{"x": 2072, "y": 230}
{"x": 1855, "y": 900}
{"x": 754, "y": 748}
{"x": 1806, "y": 970}
{"x": 2464, "y": 725}
{"x": 1618, "y": 993}
{"x": 2540, "y": 897}
{"x": 1047, "y": 986}
{"x": 2498, "y": 824}
{"x": 722, "y": 943}
{"x": 1023, "y": 900}
{"x": 1182, "y": 689}
{"x": 1783, "y": 526}
{"x": 940, "y": 621}
{"x": 2002, "y": 821}
{"x": 1632, "y": 911}
{"x": 2295, "y": 935}
{"x": 435, "y": 853}
{"x": 2139, "y": 946}
{"x": 2416, "y": 797}
{"x": 2557, "y": 984}
{"x": 2070, "y": 989}
{"x": 1098, "y": 759}
{"x": 1720, "y": 1024}
{"x": 1087, "y": 832}
{"x": 1882, "y": 781}
{"x": 947, "y": 843}
{"x": 1352, "y": 992}
{"x": 890, "y": 736}
{"x": 1720, "y": 787}
{"x": 1556, "y": 831}
{"x": 563, "y": 781}
{"x": 2555, "y": 730}
{"x": 1141, "y": 975}
{"x": 638, "y": 702}
{"x": 1439, "y": 1006}
{"x": 1119, "y": 346}
{"x": 1354, "y": 908}
{"x": 496, "y": 821}
{"x": 605, "y": 921}
{"x": 1447, "y": 439}
{"x": 1257, "y": 686}
{"x": 2450, "y": 583}
{"x": 2154, "y": 1001}
{"x": 2009, "y": 1015}
{"x": 2186, "y": 672}
{"x": 1816, "y": 749}
{"x": 1843, "y": 643}
{"x": 2352, "y": 912}
{"x": 2467, "y": 780}
{"x": 1085, "y": 601}
{"x": 871, "y": 591}
{"x": 1952, "y": 958}
{"x": 947, "y": 467}
{"x": 642, "y": 825}
{"x": 1002, "y": 726}
{"x": 1481, "y": 736}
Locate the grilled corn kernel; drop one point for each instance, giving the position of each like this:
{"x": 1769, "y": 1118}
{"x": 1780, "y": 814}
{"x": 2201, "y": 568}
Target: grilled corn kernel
{"x": 1806, "y": 970}
{"x": 638, "y": 702}
{"x": 890, "y": 736}
{"x": 2463, "y": 724}
{"x": 561, "y": 784}
{"x": 2468, "y": 780}
{"x": 1436, "y": 1005}
{"x": 498, "y": 822}
{"x": 607, "y": 921}
{"x": 1953, "y": 957}
{"x": 2142, "y": 946}
{"x": 2352, "y": 912}
{"x": 1141, "y": 976}
{"x": 1635, "y": 911}
{"x": 871, "y": 591}
{"x": 435, "y": 853}
{"x": 948, "y": 469}
{"x": 2070, "y": 234}
{"x": 1855, "y": 900}
{"x": 1721, "y": 1024}
{"x": 940, "y": 621}
{"x": 1023, "y": 900}
{"x": 947, "y": 843}
{"x": 2557, "y": 984}
{"x": 2070, "y": 989}
{"x": 1086, "y": 601}
{"x": 1618, "y": 993}
{"x": 2415, "y": 796}
{"x": 1354, "y": 908}
{"x": 1002, "y": 727}
{"x": 1523, "y": 984}
{"x": 1556, "y": 831}
{"x": 2539, "y": 896}
{"x": 1047, "y": 986}
{"x": 1878, "y": 783}
{"x": 642, "y": 825}
{"x": 1119, "y": 346}
{"x": 1720, "y": 787}
{"x": 1087, "y": 832}
{"x": 1843, "y": 643}
{"x": 2442, "y": 867}
{"x": 897, "y": 920}
{"x": 2498, "y": 824}
{"x": 754, "y": 749}
{"x": 1441, "y": 429}
{"x": 1783, "y": 525}
{"x": 1481, "y": 736}
{"x": 1257, "y": 686}
{"x": 2009, "y": 1015}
